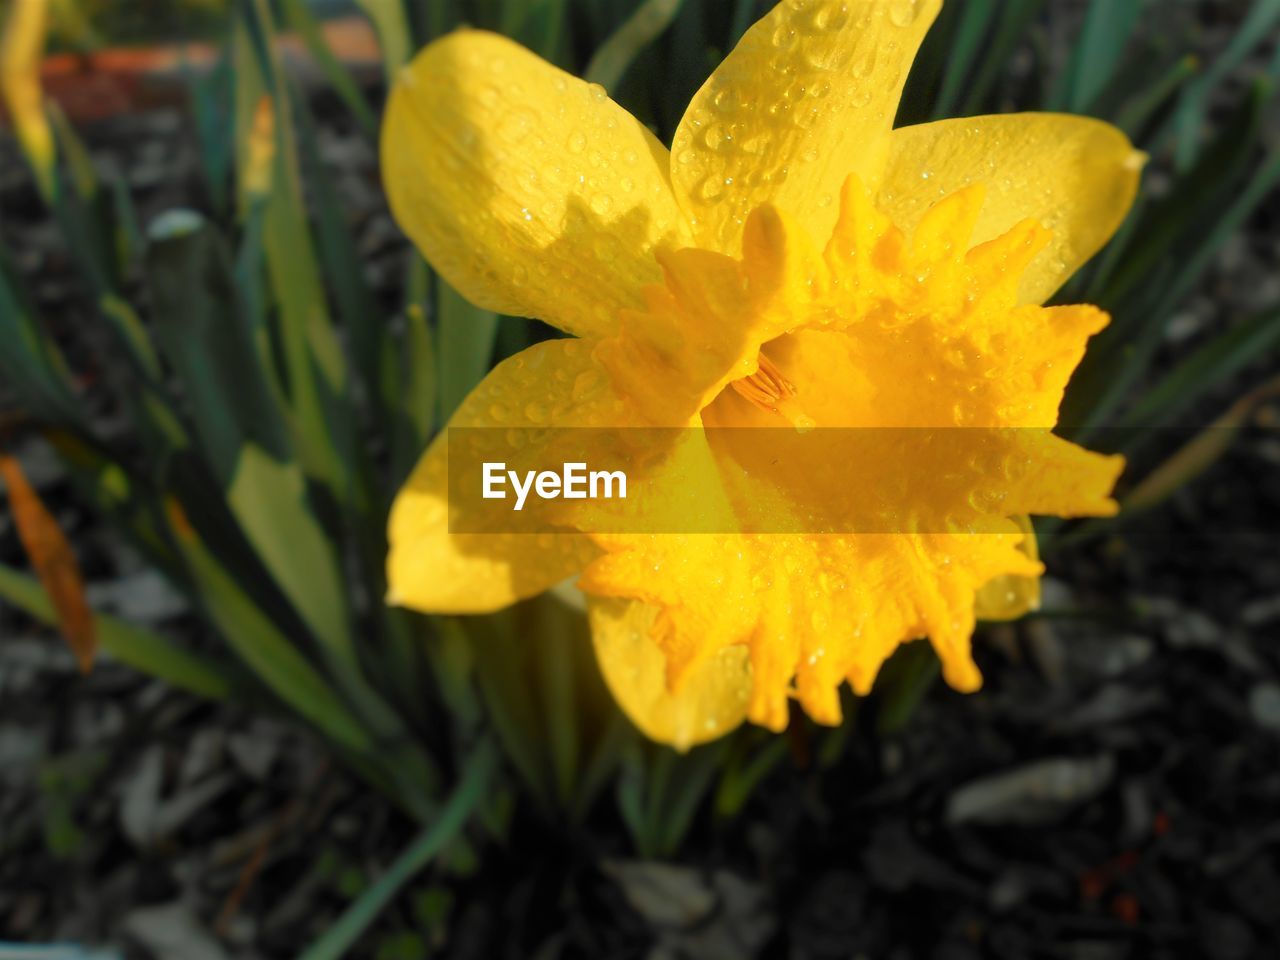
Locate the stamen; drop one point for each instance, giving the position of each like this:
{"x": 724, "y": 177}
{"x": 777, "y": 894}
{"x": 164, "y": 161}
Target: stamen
{"x": 766, "y": 387}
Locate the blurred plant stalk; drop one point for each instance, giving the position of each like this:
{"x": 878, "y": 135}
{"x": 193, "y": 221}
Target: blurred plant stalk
{"x": 21, "y": 52}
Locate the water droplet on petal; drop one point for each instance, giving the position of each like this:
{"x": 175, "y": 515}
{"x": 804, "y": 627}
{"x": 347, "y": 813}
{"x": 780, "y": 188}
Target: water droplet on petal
{"x": 516, "y": 126}
{"x": 903, "y": 13}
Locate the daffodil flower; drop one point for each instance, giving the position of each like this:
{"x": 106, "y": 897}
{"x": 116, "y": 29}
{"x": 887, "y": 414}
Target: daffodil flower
{"x": 792, "y": 261}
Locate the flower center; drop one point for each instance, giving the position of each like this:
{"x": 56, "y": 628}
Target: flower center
{"x": 766, "y": 388}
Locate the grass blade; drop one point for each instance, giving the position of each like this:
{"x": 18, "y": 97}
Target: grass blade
{"x": 140, "y": 649}
{"x": 355, "y": 303}
{"x": 473, "y": 787}
{"x": 1012, "y": 27}
{"x": 300, "y": 18}
{"x": 1257, "y": 27}
{"x": 30, "y": 360}
{"x": 394, "y": 35}
{"x": 209, "y": 98}
{"x": 409, "y": 385}
{"x": 1199, "y": 454}
{"x": 975, "y": 23}
{"x": 744, "y": 13}
{"x": 685, "y": 784}
{"x": 638, "y": 31}
{"x": 1141, "y": 108}
{"x": 261, "y": 645}
{"x": 321, "y": 420}
{"x": 467, "y": 334}
{"x": 1108, "y": 27}
{"x": 1108, "y": 384}
{"x": 1214, "y": 363}
{"x": 1196, "y": 195}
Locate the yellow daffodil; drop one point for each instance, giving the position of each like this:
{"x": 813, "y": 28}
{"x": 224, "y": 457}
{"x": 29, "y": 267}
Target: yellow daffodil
{"x": 792, "y": 262}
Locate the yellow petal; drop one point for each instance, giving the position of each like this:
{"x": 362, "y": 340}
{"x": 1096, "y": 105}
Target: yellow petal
{"x": 806, "y": 98}
{"x": 431, "y": 569}
{"x": 711, "y": 700}
{"x": 1077, "y": 176}
{"x": 1010, "y": 596}
{"x": 530, "y": 191}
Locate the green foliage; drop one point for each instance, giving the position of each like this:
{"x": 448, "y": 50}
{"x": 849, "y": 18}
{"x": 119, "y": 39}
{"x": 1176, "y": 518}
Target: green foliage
{"x": 277, "y": 405}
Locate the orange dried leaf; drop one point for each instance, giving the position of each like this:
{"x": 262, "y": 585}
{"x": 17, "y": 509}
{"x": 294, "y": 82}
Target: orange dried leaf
{"x": 54, "y": 562}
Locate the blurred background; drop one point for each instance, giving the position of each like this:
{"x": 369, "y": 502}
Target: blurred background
{"x": 219, "y": 357}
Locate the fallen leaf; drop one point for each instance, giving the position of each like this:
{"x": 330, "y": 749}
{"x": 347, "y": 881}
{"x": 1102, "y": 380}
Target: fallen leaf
{"x": 1039, "y": 792}
{"x": 53, "y": 560}
{"x": 172, "y": 931}
{"x": 665, "y": 895}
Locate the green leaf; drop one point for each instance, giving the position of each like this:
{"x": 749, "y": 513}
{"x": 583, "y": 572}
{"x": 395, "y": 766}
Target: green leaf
{"x": 261, "y": 645}
{"x": 72, "y": 150}
{"x": 394, "y": 35}
{"x": 1011, "y": 29}
{"x": 976, "y": 18}
{"x": 1141, "y": 107}
{"x": 269, "y": 498}
{"x": 745, "y": 772}
{"x": 199, "y": 324}
{"x": 560, "y": 631}
{"x": 141, "y": 649}
{"x": 903, "y": 683}
{"x": 1102, "y": 386}
{"x": 1258, "y": 26}
{"x": 630, "y": 793}
{"x": 30, "y": 361}
{"x": 467, "y": 336}
{"x": 321, "y": 420}
{"x": 209, "y": 95}
{"x": 503, "y": 666}
{"x": 603, "y": 762}
{"x": 538, "y": 24}
{"x": 744, "y": 12}
{"x": 409, "y": 391}
{"x": 300, "y": 18}
{"x": 105, "y": 484}
{"x": 1194, "y": 199}
{"x": 243, "y": 438}
{"x": 473, "y": 786}
{"x": 617, "y": 53}
{"x": 682, "y": 784}
{"x": 1199, "y": 454}
{"x": 339, "y": 255}
{"x": 1214, "y": 363}
{"x": 1108, "y": 27}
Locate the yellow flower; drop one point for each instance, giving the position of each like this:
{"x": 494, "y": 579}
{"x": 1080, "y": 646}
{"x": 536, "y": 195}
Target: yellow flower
{"x": 793, "y": 261}
{"x": 20, "y": 51}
